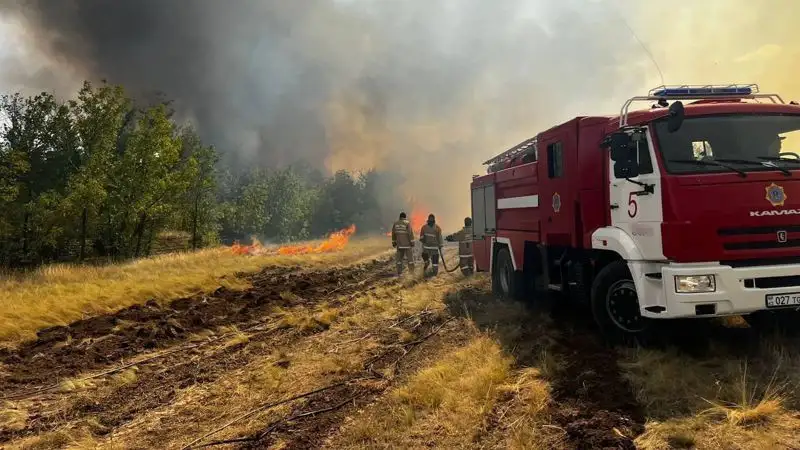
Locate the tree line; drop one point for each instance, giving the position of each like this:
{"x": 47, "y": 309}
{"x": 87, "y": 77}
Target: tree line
{"x": 101, "y": 176}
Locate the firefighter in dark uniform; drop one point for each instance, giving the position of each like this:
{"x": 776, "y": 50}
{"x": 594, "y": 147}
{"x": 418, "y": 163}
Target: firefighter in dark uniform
{"x": 403, "y": 241}
{"x": 431, "y": 237}
{"x": 464, "y": 237}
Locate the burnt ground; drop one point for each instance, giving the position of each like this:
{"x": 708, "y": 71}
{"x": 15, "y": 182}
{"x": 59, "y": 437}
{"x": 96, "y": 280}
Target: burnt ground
{"x": 595, "y": 405}
{"x": 592, "y": 404}
{"x": 106, "y": 342}
{"x": 312, "y": 422}
{"x": 99, "y": 341}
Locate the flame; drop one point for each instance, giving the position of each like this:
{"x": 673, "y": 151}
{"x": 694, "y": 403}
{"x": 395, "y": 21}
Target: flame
{"x": 254, "y": 249}
{"x": 417, "y": 219}
{"x": 335, "y": 242}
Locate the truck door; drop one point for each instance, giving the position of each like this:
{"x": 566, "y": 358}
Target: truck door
{"x": 635, "y": 208}
{"x": 557, "y": 172}
{"x": 484, "y": 223}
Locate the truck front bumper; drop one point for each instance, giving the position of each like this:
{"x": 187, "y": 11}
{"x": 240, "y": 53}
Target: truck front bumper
{"x": 741, "y": 290}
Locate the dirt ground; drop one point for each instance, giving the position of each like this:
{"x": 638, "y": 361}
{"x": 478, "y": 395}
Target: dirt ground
{"x": 346, "y": 357}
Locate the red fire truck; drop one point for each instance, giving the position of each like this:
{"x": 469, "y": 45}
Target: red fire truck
{"x": 675, "y": 211}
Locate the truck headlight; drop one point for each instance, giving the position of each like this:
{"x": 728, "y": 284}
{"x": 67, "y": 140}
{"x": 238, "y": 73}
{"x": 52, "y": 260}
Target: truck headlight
{"x": 695, "y": 283}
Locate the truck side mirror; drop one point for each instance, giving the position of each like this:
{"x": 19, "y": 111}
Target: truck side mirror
{"x": 626, "y": 169}
{"x": 676, "y": 116}
{"x": 619, "y": 143}
{"x": 624, "y": 154}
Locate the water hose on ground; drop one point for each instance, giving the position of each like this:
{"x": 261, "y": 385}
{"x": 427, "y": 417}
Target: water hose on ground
{"x": 441, "y": 255}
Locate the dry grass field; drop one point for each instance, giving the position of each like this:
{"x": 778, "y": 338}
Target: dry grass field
{"x": 217, "y": 350}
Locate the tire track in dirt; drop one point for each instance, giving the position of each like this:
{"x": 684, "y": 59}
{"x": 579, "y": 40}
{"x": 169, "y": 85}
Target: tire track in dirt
{"x": 592, "y": 404}
{"x": 311, "y": 422}
{"x": 99, "y": 341}
{"x": 158, "y": 384}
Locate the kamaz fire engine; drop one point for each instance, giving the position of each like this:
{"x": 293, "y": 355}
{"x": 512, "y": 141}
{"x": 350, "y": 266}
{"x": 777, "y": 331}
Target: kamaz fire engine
{"x": 677, "y": 211}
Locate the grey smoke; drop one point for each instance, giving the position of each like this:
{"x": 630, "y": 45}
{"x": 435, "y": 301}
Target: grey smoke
{"x": 258, "y": 77}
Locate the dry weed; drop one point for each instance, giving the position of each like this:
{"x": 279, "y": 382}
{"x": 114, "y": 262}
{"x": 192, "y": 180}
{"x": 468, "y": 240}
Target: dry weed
{"x": 61, "y": 294}
{"x": 443, "y": 403}
{"x": 718, "y": 402}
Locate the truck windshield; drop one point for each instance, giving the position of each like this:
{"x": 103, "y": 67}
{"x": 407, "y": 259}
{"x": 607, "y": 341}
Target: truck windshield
{"x": 731, "y": 143}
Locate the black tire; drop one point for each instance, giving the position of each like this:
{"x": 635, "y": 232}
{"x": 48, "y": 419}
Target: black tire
{"x": 786, "y": 321}
{"x": 505, "y": 281}
{"x": 615, "y": 304}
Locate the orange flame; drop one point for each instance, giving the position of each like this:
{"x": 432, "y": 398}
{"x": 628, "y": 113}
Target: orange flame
{"x": 336, "y": 241}
{"x": 240, "y": 249}
{"x": 417, "y": 219}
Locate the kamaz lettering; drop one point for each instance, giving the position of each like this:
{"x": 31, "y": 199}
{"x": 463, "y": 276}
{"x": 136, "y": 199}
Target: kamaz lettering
{"x": 775, "y": 212}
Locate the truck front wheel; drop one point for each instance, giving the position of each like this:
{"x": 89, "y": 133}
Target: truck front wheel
{"x": 615, "y": 304}
{"x": 505, "y": 281}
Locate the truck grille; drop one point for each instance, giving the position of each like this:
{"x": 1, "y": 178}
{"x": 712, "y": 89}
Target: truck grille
{"x": 772, "y": 282}
{"x": 758, "y": 230}
{"x": 760, "y": 238}
{"x": 755, "y": 262}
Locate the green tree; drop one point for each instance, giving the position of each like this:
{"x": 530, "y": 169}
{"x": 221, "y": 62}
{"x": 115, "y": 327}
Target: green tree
{"x": 199, "y": 209}
{"x": 40, "y": 133}
{"x": 289, "y": 206}
{"x": 100, "y": 114}
{"x": 148, "y": 179}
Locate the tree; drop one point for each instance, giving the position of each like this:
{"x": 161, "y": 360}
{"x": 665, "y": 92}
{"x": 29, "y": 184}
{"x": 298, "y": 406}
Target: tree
{"x": 200, "y": 203}
{"x": 148, "y": 178}
{"x": 104, "y": 170}
{"x": 100, "y": 115}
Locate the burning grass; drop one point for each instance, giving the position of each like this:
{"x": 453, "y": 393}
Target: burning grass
{"x": 335, "y": 242}
{"x": 61, "y": 294}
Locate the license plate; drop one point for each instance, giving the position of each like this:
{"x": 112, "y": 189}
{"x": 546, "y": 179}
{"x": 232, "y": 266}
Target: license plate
{"x": 778, "y": 300}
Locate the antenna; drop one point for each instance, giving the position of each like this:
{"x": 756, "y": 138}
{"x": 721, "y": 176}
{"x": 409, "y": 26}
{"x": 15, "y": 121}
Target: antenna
{"x": 635, "y": 36}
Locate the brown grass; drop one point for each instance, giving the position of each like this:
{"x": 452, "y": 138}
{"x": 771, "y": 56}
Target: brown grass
{"x": 473, "y": 397}
{"x": 720, "y": 402}
{"x": 336, "y": 352}
{"x": 61, "y": 294}
{"x": 442, "y": 405}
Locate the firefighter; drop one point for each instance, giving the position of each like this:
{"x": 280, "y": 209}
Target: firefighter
{"x": 403, "y": 241}
{"x": 464, "y": 238}
{"x": 431, "y": 237}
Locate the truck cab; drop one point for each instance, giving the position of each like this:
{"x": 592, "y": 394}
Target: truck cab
{"x": 677, "y": 211}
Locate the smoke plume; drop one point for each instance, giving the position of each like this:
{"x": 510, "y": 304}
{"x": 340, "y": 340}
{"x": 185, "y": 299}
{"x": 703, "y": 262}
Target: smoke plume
{"x": 426, "y": 88}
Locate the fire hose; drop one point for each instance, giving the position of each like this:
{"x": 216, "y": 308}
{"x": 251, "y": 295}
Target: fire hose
{"x": 444, "y": 263}
{"x": 441, "y": 255}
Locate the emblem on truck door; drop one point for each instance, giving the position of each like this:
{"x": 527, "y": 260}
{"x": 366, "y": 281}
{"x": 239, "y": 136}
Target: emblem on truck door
{"x": 556, "y": 202}
{"x": 775, "y": 195}
{"x": 782, "y": 238}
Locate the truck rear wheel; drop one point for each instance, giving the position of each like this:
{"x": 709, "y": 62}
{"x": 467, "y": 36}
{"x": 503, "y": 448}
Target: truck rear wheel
{"x": 505, "y": 281}
{"x": 615, "y": 304}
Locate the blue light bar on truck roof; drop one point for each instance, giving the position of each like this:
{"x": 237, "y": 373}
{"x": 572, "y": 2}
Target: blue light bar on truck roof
{"x": 699, "y": 92}
{"x": 731, "y": 90}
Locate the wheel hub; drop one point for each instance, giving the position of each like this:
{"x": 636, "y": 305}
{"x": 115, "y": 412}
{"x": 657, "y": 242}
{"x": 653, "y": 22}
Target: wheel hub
{"x": 622, "y": 305}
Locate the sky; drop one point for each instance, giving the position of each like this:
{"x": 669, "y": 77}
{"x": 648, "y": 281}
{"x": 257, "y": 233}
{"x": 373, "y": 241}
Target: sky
{"x": 427, "y": 88}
